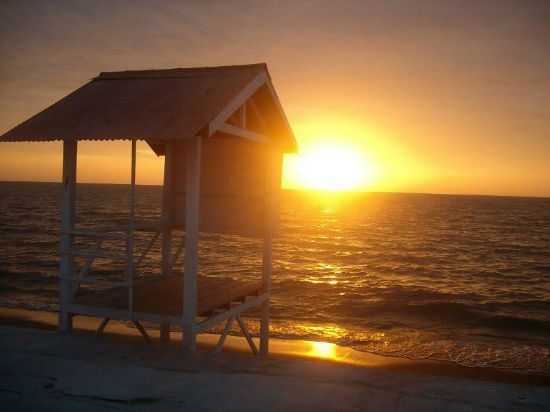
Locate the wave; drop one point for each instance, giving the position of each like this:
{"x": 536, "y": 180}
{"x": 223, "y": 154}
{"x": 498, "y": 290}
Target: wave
{"x": 378, "y": 263}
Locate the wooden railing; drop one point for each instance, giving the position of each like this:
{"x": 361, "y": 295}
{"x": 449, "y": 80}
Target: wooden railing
{"x": 96, "y": 252}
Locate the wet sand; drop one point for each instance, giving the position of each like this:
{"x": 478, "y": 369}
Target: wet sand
{"x": 279, "y": 348}
{"x": 44, "y": 369}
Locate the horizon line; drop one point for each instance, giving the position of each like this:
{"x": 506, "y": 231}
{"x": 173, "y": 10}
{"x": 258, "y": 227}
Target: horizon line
{"x": 365, "y": 192}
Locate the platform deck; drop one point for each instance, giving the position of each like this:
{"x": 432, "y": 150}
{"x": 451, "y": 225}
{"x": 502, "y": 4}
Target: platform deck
{"x": 163, "y": 296}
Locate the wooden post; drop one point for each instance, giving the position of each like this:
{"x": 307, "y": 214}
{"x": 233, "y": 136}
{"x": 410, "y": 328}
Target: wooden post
{"x": 167, "y": 223}
{"x": 192, "y": 215}
{"x": 67, "y": 225}
{"x": 130, "y": 241}
{"x": 267, "y": 253}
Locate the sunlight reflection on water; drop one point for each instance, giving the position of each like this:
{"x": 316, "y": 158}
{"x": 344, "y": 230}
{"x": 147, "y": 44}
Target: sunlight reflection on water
{"x": 323, "y": 350}
{"x": 458, "y": 278}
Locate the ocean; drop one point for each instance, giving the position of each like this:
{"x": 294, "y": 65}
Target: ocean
{"x": 464, "y": 279}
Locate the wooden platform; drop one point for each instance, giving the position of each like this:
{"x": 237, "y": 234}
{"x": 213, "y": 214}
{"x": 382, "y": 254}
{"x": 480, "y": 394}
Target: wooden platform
{"x": 163, "y": 296}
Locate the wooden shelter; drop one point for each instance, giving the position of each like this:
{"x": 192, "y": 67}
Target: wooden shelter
{"x": 222, "y": 132}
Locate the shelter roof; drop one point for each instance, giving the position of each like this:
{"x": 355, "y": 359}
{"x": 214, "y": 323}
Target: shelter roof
{"x": 158, "y": 106}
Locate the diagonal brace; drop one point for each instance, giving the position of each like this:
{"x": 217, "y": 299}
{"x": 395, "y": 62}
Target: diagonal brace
{"x": 226, "y": 330}
{"x": 101, "y": 327}
{"x": 142, "y": 330}
{"x": 247, "y": 335}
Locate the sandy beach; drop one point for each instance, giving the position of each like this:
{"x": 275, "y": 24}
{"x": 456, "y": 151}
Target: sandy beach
{"x": 45, "y": 370}
{"x": 275, "y": 206}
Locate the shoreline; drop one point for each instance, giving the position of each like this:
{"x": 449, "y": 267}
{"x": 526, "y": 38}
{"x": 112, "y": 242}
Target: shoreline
{"x": 320, "y": 352}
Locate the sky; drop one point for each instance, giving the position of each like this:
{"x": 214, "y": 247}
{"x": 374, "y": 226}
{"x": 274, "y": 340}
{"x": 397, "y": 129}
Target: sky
{"x": 420, "y": 96}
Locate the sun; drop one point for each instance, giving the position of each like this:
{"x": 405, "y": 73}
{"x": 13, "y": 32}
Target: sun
{"x": 332, "y": 168}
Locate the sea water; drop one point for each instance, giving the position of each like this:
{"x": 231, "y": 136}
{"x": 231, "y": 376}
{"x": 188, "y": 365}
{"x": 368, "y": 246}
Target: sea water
{"x": 464, "y": 279}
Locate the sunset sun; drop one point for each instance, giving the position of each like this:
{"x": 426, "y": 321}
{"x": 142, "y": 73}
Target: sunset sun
{"x": 333, "y": 168}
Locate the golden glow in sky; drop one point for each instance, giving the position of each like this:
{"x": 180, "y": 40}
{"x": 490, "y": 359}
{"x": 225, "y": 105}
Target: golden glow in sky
{"x": 335, "y": 153}
{"x": 461, "y": 120}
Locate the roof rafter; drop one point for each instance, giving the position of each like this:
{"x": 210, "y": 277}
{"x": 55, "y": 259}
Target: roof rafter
{"x": 238, "y": 101}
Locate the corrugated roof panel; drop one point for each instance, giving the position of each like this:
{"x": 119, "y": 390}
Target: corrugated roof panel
{"x": 156, "y": 105}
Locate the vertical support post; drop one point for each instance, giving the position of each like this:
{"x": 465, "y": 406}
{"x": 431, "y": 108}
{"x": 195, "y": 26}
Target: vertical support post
{"x": 67, "y": 225}
{"x": 192, "y": 215}
{"x": 131, "y": 229}
{"x": 270, "y": 186}
{"x": 167, "y": 223}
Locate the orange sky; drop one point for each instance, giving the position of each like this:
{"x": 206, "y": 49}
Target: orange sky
{"x": 436, "y": 97}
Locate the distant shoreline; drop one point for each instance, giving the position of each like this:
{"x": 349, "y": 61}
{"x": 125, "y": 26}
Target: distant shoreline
{"x": 305, "y": 191}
